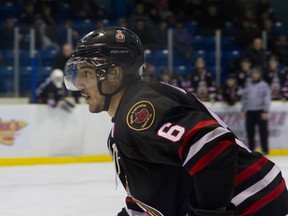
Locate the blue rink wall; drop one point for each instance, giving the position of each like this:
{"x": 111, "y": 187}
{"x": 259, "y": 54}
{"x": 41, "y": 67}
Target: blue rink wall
{"x": 38, "y": 134}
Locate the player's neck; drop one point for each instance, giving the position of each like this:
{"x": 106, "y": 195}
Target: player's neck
{"x": 115, "y": 101}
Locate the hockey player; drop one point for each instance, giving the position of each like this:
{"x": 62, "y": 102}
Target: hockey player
{"x": 173, "y": 156}
{"x": 52, "y": 90}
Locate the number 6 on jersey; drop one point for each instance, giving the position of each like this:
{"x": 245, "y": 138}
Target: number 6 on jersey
{"x": 171, "y": 132}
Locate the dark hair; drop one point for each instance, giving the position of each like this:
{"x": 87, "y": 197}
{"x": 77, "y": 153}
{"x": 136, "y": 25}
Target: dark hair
{"x": 245, "y": 60}
{"x": 257, "y": 69}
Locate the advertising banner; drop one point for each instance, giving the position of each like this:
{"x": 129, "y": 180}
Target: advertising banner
{"x": 41, "y": 131}
{"x": 15, "y": 124}
{"x": 278, "y": 122}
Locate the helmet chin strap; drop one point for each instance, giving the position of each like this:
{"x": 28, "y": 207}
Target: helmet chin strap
{"x": 108, "y": 96}
{"x": 126, "y": 81}
{"x": 107, "y": 103}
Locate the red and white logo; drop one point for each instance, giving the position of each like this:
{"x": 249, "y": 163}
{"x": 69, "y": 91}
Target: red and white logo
{"x": 120, "y": 37}
{"x": 141, "y": 116}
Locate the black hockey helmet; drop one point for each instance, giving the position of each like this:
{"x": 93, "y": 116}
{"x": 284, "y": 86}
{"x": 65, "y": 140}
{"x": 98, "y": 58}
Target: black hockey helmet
{"x": 105, "y": 48}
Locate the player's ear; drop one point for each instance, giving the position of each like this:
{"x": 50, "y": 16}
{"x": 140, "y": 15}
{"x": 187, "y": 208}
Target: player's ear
{"x": 115, "y": 75}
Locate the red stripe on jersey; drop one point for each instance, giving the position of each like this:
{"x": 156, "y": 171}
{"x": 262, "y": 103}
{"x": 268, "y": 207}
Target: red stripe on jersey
{"x": 265, "y": 200}
{"x": 130, "y": 200}
{"x": 194, "y": 130}
{"x": 250, "y": 171}
{"x": 213, "y": 153}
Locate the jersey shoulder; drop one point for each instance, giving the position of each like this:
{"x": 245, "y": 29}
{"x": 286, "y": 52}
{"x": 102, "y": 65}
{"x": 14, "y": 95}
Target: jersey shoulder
{"x": 147, "y": 105}
{"x": 142, "y": 107}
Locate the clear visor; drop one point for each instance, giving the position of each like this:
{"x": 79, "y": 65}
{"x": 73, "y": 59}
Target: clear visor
{"x": 80, "y": 73}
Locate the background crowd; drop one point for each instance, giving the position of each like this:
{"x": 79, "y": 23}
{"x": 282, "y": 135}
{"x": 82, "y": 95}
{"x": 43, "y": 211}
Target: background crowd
{"x": 194, "y": 23}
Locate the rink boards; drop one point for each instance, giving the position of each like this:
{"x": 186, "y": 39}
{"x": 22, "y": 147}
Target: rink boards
{"x": 38, "y": 134}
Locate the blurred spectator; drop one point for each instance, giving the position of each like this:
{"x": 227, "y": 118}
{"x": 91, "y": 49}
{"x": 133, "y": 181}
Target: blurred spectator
{"x": 175, "y": 80}
{"x": 231, "y": 92}
{"x": 248, "y": 28}
{"x": 248, "y": 19}
{"x": 55, "y": 6}
{"x": 177, "y": 8}
{"x": 280, "y": 49}
{"x": 202, "y": 81}
{"x": 62, "y": 33}
{"x": 165, "y": 77}
{"x": 162, "y": 35}
{"x": 212, "y": 20}
{"x": 7, "y": 34}
{"x": 52, "y": 91}
{"x": 284, "y": 90}
{"x": 263, "y": 7}
{"x": 61, "y": 59}
{"x": 100, "y": 23}
{"x": 149, "y": 72}
{"x": 47, "y": 15}
{"x": 185, "y": 83}
{"x": 182, "y": 40}
{"x": 2, "y": 60}
{"x": 169, "y": 78}
{"x": 276, "y": 78}
{"x": 194, "y": 10}
{"x": 267, "y": 25}
{"x": 86, "y": 9}
{"x": 122, "y": 22}
{"x": 154, "y": 16}
{"x": 231, "y": 10}
{"x": 164, "y": 10}
{"x": 45, "y": 35}
{"x": 145, "y": 34}
{"x": 256, "y": 99}
{"x": 256, "y": 54}
{"x": 243, "y": 75}
{"x": 139, "y": 14}
{"x": 27, "y": 18}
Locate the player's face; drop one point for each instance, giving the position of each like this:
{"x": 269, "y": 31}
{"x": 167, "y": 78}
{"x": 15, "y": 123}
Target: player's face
{"x": 87, "y": 84}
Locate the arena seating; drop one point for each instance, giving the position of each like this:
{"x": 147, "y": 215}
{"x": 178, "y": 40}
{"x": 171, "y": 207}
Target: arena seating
{"x": 202, "y": 45}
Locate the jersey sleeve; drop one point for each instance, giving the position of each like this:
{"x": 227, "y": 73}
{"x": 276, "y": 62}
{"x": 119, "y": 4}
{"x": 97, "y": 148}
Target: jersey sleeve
{"x": 181, "y": 136}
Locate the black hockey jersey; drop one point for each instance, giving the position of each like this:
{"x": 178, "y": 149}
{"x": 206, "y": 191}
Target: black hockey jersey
{"x": 173, "y": 154}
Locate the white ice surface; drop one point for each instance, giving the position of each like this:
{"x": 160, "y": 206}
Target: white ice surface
{"x": 60, "y": 190}
{"x": 67, "y": 190}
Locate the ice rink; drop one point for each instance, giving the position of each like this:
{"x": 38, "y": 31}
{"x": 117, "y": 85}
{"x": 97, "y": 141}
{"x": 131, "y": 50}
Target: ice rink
{"x": 67, "y": 190}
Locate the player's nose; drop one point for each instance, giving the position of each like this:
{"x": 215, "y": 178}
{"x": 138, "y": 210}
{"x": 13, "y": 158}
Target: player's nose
{"x": 79, "y": 84}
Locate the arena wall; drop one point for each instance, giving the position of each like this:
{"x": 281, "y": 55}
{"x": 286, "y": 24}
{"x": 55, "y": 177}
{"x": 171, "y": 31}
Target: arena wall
{"x": 39, "y": 134}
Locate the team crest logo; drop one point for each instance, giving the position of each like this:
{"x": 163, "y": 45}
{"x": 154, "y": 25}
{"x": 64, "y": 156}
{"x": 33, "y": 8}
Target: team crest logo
{"x": 120, "y": 37}
{"x": 141, "y": 116}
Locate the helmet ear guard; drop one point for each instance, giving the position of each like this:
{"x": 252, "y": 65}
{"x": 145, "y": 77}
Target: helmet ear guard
{"x": 101, "y": 74}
